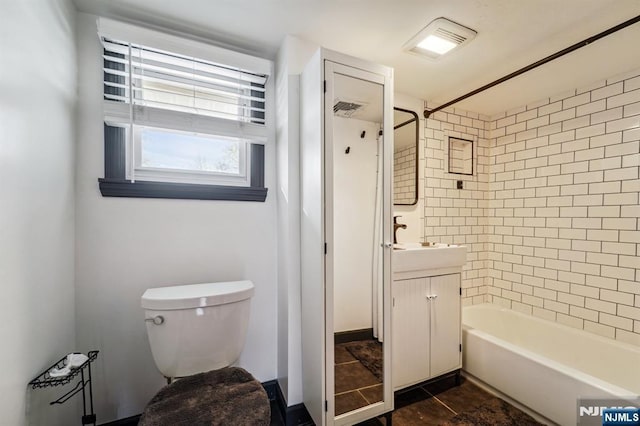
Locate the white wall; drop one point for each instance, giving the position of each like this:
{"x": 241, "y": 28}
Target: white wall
{"x": 126, "y": 245}
{"x": 37, "y": 101}
{"x": 413, "y": 216}
{"x": 354, "y": 199}
{"x": 292, "y": 56}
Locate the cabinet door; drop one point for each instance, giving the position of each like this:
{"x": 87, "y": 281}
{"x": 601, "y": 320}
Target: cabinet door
{"x": 445, "y": 323}
{"x": 410, "y": 332}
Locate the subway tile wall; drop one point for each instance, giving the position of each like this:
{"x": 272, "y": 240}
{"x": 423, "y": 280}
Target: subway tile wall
{"x": 404, "y": 175}
{"x": 563, "y": 215}
{"x": 551, "y": 216}
{"x": 454, "y": 215}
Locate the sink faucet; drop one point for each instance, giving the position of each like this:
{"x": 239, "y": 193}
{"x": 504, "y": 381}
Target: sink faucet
{"x": 397, "y": 225}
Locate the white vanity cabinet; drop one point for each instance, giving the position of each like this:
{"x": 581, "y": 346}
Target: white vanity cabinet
{"x": 426, "y": 329}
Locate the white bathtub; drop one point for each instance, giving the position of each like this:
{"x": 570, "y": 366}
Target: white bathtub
{"x": 543, "y": 365}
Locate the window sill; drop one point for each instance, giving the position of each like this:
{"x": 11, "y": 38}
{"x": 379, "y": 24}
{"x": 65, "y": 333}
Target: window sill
{"x": 147, "y": 189}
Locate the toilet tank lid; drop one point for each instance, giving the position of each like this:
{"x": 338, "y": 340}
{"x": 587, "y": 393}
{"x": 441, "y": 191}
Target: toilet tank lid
{"x": 196, "y": 295}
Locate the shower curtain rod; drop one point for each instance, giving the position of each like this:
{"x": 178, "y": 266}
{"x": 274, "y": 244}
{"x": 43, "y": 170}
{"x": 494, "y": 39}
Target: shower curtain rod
{"x": 583, "y": 43}
{"x": 404, "y": 124}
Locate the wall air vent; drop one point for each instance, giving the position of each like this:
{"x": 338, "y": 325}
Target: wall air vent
{"x": 438, "y": 38}
{"x": 343, "y": 108}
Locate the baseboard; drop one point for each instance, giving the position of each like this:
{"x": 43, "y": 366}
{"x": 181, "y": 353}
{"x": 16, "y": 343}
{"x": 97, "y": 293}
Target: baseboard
{"x": 129, "y": 421}
{"x": 353, "y": 335}
{"x": 295, "y": 415}
{"x": 272, "y": 388}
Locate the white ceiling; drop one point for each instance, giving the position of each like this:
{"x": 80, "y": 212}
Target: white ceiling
{"x": 511, "y": 34}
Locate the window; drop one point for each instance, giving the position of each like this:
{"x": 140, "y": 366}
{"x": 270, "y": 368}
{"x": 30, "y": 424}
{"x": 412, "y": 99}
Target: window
{"x": 181, "y": 125}
{"x": 173, "y": 156}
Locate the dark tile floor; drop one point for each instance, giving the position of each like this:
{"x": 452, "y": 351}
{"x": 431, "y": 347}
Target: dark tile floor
{"x": 444, "y": 403}
{"x": 437, "y": 403}
{"x": 355, "y": 385}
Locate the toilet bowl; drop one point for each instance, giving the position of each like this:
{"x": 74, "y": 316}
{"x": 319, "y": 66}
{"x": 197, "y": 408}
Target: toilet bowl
{"x": 197, "y": 328}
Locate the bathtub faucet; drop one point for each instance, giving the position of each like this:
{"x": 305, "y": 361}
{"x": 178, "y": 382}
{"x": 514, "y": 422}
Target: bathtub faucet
{"x": 397, "y": 225}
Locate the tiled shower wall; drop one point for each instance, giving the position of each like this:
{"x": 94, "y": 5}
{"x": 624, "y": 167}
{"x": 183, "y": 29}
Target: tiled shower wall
{"x": 564, "y": 231}
{"x": 459, "y": 215}
{"x": 404, "y": 175}
{"x": 551, "y": 216}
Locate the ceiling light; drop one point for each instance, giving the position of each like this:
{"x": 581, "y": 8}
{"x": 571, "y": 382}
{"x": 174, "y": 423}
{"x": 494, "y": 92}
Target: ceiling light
{"x": 436, "y": 44}
{"x": 439, "y": 37}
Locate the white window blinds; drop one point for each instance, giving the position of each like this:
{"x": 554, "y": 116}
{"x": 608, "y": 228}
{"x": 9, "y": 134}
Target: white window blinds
{"x": 151, "y": 86}
{"x": 170, "y": 81}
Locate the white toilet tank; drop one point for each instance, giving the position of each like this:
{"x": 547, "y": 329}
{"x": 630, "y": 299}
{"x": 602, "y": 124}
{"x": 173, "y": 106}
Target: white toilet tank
{"x": 197, "y": 328}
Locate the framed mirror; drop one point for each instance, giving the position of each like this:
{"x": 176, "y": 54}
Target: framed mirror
{"x": 357, "y": 265}
{"x": 405, "y": 157}
{"x": 460, "y": 156}
{"x": 346, "y": 154}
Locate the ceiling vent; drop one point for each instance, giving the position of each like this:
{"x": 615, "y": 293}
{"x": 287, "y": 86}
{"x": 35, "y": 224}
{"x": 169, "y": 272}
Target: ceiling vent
{"x": 441, "y": 36}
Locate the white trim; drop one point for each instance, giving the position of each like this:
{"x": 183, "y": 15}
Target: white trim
{"x": 117, "y": 113}
{"x": 348, "y": 71}
{"x": 178, "y": 176}
{"x": 120, "y": 31}
{"x": 132, "y": 153}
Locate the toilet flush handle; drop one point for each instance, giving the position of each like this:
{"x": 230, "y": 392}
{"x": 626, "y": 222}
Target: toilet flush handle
{"x": 157, "y": 320}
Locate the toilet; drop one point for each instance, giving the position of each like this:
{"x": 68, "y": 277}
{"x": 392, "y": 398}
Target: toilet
{"x": 196, "y": 333}
{"x": 198, "y": 327}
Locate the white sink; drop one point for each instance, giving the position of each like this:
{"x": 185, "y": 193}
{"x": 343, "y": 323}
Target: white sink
{"x": 415, "y": 256}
